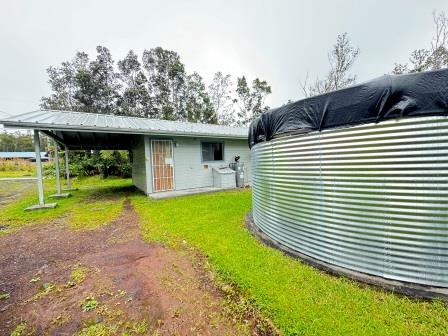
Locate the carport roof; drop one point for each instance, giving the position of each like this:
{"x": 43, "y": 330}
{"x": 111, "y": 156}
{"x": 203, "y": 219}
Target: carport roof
{"x": 80, "y": 130}
{"x": 81, "y": 121}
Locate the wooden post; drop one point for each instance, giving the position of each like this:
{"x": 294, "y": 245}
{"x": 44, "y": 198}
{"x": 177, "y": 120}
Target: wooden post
{"x": 40, "y": 184}
{"x": 56, "y": 167}
{"x": 67, "y": 169}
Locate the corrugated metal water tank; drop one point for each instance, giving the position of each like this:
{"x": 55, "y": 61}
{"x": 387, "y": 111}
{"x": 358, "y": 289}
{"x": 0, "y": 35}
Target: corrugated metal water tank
{"x": 370, "y": 198}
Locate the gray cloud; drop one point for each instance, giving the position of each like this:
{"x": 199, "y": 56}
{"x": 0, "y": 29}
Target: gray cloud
{"x": 280, "y": 41}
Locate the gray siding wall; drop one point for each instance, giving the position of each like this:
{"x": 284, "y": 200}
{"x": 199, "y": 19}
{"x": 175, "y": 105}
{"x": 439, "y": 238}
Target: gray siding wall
{"x": 140, "y": 176}
{"x": 191, "y": 172}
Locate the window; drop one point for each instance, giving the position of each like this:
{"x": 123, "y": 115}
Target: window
{"x": 212, "y": 151}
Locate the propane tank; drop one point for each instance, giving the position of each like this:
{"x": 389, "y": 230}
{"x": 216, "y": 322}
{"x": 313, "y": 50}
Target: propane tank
{"x": 238, "y": 167}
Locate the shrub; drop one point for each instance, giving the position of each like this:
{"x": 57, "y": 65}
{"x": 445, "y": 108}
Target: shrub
{"x": 105, "y": 163}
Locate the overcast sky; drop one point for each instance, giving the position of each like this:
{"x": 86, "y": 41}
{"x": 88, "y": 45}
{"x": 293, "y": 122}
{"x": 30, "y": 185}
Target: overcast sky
{"x": 279, "y": 41}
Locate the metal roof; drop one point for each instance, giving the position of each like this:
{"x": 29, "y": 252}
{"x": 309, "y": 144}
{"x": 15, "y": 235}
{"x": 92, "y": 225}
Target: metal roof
{"x": 21, "y": 155}
{"x": 92, "y": 122}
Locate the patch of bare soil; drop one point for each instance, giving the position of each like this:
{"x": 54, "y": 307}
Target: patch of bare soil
{"x": 61, "y": 282}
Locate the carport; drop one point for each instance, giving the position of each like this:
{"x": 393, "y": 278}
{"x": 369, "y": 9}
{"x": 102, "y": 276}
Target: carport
{"x": 88, "y": 131}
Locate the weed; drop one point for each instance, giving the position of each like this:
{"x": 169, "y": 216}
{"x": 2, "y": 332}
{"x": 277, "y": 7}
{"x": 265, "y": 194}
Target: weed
{"x": 111, "y": 314}
{"x": 89, "y": 304}
{"x": 35, "y": 279}
{"x": 46, "y": 289}
{"x": 136, "y": 328}
{"x": 19, "y": 329}
{"x": 99, "y": 329}
{"x": 78, "y": 274}
{"x": 140, "y": 327}
{"x": 4, "y": 296}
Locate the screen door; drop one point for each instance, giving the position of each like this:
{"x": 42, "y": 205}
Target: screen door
{"x": 162, "y": 165}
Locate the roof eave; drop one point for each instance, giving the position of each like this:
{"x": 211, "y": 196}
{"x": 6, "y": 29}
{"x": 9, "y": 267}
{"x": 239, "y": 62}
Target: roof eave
{"x": 36, "y": 126}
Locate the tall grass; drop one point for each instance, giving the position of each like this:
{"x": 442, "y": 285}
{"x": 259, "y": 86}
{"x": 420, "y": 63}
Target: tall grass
{"x": 17, "y": 165}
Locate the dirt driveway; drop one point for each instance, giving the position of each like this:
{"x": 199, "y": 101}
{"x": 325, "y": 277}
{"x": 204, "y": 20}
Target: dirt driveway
{"x": 56, "y": 281}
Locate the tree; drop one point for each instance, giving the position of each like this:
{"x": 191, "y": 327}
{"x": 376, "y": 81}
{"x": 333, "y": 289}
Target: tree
{"x": 220, "y": 92}
{"x": 433, "y": 58}
{"x": 341, "y": 59}
{"x": 198, "y": 106}
{"x": 135, "y": 99}
{"x": 86, "y": 91}
{"x": 166, "y": 82}
{"x": 18, "y": 141}
{"x": 104, "y": 82}
{"x": 80, "y": 85}
{"x": 157, "y": 86}
{"x": 63, "y": 84}
{"x": 250, "y": 100}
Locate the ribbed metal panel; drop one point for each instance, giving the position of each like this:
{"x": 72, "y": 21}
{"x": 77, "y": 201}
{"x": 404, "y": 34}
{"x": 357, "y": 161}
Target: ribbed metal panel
{"x": 370, "y": 198}
{"x": 80, "y": 121}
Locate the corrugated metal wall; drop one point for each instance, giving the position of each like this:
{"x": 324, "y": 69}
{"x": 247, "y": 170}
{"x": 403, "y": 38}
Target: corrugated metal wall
{"x": 370, "y": 198}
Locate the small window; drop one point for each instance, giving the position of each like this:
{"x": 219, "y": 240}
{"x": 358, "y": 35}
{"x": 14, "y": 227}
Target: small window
{"x": 212, "y": 151}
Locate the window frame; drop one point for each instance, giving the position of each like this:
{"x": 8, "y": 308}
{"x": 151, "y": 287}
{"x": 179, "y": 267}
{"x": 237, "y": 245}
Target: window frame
{"x": 213, "y": 141}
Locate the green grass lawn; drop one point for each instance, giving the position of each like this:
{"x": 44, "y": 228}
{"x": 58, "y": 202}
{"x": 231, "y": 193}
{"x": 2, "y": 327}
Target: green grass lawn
{"x": 299, "y": 300}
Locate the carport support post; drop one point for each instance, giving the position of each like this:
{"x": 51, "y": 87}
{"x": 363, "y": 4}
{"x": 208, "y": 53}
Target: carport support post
{"x": 67, "y": 169}
{"x": 40, "y": 184}
{"x": 58, "y": 194}
{"x": 56, "y": 167}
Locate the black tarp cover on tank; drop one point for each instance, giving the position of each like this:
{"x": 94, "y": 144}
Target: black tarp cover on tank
{"x": 386, "y": 97}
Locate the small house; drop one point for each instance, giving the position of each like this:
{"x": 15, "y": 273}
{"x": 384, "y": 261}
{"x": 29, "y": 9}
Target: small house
{"x": 166, "y": 155}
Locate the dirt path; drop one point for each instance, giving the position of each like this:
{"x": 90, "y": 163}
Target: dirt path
{"x": 106, "y": 281}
